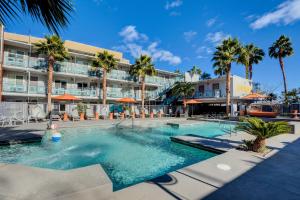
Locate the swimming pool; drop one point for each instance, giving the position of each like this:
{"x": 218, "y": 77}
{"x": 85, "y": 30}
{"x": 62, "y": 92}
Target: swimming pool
{"x": 128, "y": 156}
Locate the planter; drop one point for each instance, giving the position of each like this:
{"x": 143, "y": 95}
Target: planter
{"x": 143, "y": 114}
{"x": 81, "y": 116}
{"x": 111, "y": 116}
{"x": 295, "y": 114}
{"x": 96, "y": 115}
{"x": 66, "y": 118}
{"x": 151, "y": 115}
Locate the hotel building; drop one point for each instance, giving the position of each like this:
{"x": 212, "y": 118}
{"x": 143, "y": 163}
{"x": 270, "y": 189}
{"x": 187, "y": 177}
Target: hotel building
{"x": 25, "y": 74}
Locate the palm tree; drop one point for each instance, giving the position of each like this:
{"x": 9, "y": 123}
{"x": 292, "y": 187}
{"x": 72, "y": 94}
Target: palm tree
{"x": 262, "y": 130}
{"x": 205, "y": 76}
{"x": 195, "y": 70}
{"x": 177, "y": 71}
{"x": 53, "y": 48}
{"x": 226, "y": 54}
{"x": 51, "y": 13}
{"x": 183, "y": 90}
{"x": 143, "y": 67}
{"x": 280, "y": 49}
{"x": 105, "y": 61}
{"x": 249, "y": 55}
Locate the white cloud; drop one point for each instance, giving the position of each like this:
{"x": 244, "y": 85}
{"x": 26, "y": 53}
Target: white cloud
{"x": 189, "y": 35}
{"x": 173, "y": 4}
{"x": 216, "y": 38}
{"x": 135, "y": 44}
{"x": 211, "y": 22}
{"x": 286, "y": 13}
{"x": 130, "y": 34}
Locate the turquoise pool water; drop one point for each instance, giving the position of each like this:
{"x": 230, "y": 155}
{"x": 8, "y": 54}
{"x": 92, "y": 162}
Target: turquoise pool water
{"x": 128, "y": 156}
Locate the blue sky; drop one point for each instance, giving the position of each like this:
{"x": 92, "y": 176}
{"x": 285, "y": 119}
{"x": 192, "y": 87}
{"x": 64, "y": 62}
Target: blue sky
{"x": 181, "y": 33}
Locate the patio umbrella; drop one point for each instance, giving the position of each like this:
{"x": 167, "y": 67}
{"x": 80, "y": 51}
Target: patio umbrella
{"x": 254, "y": 96}
{"x": 192, "y": 102}
{"x": 66, "y": 97}
{"x": 128, "y": 101}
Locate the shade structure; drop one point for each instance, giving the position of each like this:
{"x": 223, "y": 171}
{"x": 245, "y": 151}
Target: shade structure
{"x": 192, "y": 101}
{"x": 254, "y": 96}
{"x": 126, "y": 100}
{"x": 66, "y": 97}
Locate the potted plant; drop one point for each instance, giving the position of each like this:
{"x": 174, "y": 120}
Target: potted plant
{"x": 262, "y": 130}
{"x": 81, "y": 108}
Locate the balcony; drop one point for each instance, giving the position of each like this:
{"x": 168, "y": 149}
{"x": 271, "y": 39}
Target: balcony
{"x": 75, "y": 92}
{"x": 37, "y": 90}
{"x": 208, "y": 94}
{"x": 120, "y": 75}
{"x": 15, "y": 88}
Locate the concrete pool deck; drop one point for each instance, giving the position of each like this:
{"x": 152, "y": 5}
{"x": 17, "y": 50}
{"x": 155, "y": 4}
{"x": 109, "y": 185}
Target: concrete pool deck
{"x": 251, "y": 176}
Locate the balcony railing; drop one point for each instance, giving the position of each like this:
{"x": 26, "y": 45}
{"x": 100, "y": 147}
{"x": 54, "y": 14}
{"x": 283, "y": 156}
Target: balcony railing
{"x": 15, "y": 88}
{"x": 209, "y": 94}
{"x": 37, "y": 90}
{"x": 75, "y": 92}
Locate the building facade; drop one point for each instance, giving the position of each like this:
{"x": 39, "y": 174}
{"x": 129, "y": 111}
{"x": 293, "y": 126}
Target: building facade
{"x": 25, "y": 74}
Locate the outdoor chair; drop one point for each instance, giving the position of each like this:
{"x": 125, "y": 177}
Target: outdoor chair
{"x": 36, "y": 113}
{"x": 19, "y": 117}
{"x": 74, "y": 115}
{"x": 127, "y": 114}
{"x": 3, "y": 120}
{"x": 163, "y": 114}
{"x": 55, "y": 115}
{"x": 147, "y": 114}
{"x": 181, "y": 113}
{"x": 137, "y": 113}
{"x": 104, "y": 112}
{"x": 90, "y": 114}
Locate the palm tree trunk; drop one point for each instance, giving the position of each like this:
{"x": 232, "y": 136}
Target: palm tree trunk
{"x": 104, "y": 87}
{"x": 247, "y": 72}
{"x": 284, "y": 78}
{"x": 50, "y": 79}
{"x": 228, "y": 74}
{"x": 143, "y": 92}
{"x": 250, "y": 71}
{"x": 259, "y": 144}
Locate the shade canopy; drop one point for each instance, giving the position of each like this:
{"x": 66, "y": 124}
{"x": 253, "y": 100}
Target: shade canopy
{"x": 192, "y": 101}
{"x": 66, "y": 97}
{"x": 254, "y": 96}
{"x": 126, "y": 100}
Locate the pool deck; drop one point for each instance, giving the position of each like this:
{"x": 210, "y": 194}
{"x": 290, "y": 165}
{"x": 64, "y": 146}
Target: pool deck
{"x": 251, "y": 176}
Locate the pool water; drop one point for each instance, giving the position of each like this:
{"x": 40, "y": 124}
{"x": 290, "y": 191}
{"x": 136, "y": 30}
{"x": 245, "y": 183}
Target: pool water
{"x": 128, "y": 156}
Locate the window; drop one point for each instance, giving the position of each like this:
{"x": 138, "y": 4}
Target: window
{"x": 82, "y": 85}
{"x": 60, "y": 84}
{"x": 216, "y": 86}
{"x": 19, "y": 80}
{"x": 201, "y": 89}
{"x": 34, "y": 80}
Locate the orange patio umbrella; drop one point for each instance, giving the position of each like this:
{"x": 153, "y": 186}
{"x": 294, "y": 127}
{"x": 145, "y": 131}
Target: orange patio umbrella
{"x": 126, "y": 100}
{"x": 192, "y": 101}
{"x": 66, "y": 97}
{"x": 254, "y": 96}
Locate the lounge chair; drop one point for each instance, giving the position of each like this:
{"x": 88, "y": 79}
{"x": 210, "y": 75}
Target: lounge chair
{"x": 127, "y": 114}
{"x": 137, "y": 113}
{"x": 90, "y": 114}
{"x": 74, "y": 115}
{"x": 19, "y": 117}
{"x": 181, "y": 113}
{"x": 147, "y": 114}
{"x": 104, "y": 112}
{"x": 163, "y": 114}
{"x": 3, "y": 120}
{"x": 36, "y": 113}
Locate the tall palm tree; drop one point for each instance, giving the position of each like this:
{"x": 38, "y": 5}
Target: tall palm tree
{"x": 143, "y": 67}
{"x": 249, "y": 55}
{"x": 53, "y": 48}
{"x": 184, "y": 90}
{"x": 280, "y": 49}
{"x": 105, "y": 61}
{"x": 226, "y": 54}
{"x": 51, "y": 13}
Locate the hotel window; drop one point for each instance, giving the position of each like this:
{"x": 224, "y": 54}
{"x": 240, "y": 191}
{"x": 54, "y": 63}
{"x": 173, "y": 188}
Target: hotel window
{"x": 19, "y": 80}
{"x": 16, "y": 57}
{"x": 201, "y": 89}
{"x": 60, "y": 84}
{"x": 216, "y": 86}
{"x": 34, "y": 81}
{"x": 82, "y": 85}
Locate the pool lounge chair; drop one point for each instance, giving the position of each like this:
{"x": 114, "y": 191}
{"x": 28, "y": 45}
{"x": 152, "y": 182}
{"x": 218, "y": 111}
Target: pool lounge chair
{"x": 127, "y": 114}
{"x": 74, "y": 115}
{"x": 90, "y": 114}
{"x": 137, "y": 113}
{"x": 181, "y": 113}
{"x": 147, "y": 114}
{"x": 104, "y": 112}
{"x": 36, "y": 113}
{"x": 19, "y": 117}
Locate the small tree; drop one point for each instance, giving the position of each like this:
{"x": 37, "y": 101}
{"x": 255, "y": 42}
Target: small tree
{"x": 183, "y": 90}
{"x": 262, "y": 130}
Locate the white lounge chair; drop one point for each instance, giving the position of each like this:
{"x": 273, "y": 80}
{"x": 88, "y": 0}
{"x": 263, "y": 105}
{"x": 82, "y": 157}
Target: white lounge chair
{"x": 137, "y": 113}
{"x": 36, "y": 113}
{"x": 89, "y": 114}
{"x": 74, "y": 115}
